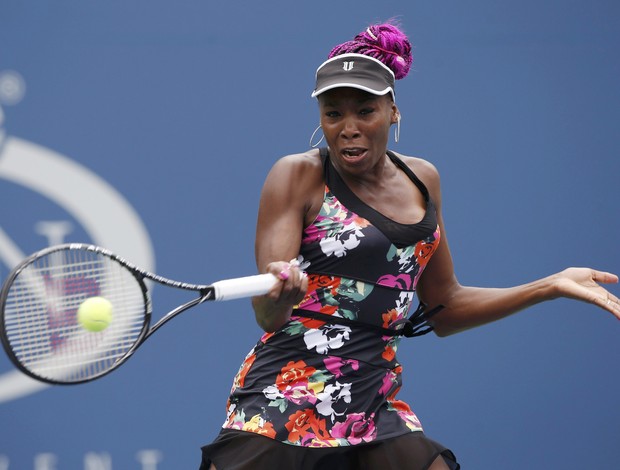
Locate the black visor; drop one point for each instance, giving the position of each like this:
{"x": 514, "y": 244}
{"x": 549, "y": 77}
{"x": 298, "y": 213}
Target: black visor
{"x": 355, "y": 71}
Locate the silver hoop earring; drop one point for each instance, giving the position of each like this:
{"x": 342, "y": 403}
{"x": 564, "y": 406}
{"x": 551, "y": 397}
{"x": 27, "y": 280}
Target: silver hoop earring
{"x": 312, "y": 137}
{"x": 397, "y": 130}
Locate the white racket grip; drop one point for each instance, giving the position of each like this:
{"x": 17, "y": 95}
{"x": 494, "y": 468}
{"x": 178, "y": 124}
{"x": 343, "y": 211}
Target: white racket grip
{"x": 242, "y": 287}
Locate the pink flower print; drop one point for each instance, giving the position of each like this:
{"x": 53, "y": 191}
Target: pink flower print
{"x": 402, "y": 281}
{"x": 356, "y": 429}
{"x": 299, "y": 393}
{"x": 312, "y": 233}
{"x": 411, "y": 421}
{"x": 234, "y": 418}
{"x": 389, "y": 380}
{"x": 294, "y": 385}
{"x": 335, "y": 365}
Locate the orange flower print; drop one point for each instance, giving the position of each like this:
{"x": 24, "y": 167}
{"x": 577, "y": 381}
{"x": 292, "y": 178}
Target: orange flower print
{"x": 307, "y": 430}
{"x": 400, "y": 406}
{"x": 296, "y": 383}
{"x": 258, "y": 425}
{"x": 388, "y": 353}
{"x": 319, "y": 288}
{"x": 266, "y": 337}
{"x": 425, "y": 249}
{"x": 316, "y": 442}
{"x": 423, "y": 252}
{"x": 319, "y": 429}
{"x": 312, "y": 323}
{"x": 361, "y": 222}
{"x": 299, "y": 424}
{"x": 389, "y": 317}
{"x": 405, "y": 413}
{"x": 293, "y": 373}
{"x": 243, "y": 371}
{"x": 316, "y": 281}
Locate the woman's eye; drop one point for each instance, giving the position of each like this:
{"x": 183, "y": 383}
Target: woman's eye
{"x": 366, "y": 111}
{"x": 332, "y": 114}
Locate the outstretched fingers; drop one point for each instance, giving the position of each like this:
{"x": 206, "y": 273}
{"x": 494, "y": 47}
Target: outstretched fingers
{"x": 611, "y": 303}
{"x": 604, "y": 298}
{"x": 602, "y": 277}
{"x": 585, "y": 284}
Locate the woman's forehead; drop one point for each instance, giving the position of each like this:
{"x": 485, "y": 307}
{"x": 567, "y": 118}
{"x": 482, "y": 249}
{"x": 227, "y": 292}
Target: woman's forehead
{"x": 342, "y": 94}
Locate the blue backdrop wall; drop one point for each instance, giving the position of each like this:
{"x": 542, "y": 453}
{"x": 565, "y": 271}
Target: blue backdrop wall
{"x": 148, "y": 127}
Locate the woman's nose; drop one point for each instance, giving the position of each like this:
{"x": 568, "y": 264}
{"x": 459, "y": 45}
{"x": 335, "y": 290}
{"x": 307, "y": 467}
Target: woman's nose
{"x": 350, "y": 130}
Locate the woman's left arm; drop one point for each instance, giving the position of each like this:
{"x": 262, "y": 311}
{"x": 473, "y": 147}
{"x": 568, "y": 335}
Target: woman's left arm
{"x": 467, "y": 307}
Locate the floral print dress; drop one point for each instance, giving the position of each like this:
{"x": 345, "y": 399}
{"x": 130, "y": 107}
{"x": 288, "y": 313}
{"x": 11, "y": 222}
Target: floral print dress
{"x": 329, "y": 377}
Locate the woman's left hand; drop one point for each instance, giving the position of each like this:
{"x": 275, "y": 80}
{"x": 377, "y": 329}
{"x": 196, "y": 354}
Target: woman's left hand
{"x": 584, "y": 284}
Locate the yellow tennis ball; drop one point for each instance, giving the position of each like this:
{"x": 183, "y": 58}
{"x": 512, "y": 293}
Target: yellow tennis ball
{"x": 95, "y": 313}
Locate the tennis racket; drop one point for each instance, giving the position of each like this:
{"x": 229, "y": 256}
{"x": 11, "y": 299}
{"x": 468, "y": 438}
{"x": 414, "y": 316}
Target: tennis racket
{"x": 40, "y": 299}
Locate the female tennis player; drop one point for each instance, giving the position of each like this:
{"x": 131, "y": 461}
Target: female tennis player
{"x": 364, "y": 228}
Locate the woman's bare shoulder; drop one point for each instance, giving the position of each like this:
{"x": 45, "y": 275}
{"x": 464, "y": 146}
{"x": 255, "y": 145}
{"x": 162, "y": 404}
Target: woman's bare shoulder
{"x": 300, "y": 172}
{"x": 423, "y": 169}
{"x": 306, "y": 160}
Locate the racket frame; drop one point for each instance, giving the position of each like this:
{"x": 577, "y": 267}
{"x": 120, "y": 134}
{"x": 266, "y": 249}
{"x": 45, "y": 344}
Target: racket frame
{"x": 206, "y": 292}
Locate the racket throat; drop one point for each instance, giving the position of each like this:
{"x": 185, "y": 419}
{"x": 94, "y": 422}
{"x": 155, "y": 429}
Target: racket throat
{"x": 180, "y": 309}
{"x": 207, "y": 293}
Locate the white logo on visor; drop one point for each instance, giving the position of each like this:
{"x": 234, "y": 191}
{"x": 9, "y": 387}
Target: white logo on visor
{"x": 347, "y": 66}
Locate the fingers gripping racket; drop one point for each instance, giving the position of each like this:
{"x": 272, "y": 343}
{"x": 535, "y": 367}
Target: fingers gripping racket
{"x": 45, "y": 337}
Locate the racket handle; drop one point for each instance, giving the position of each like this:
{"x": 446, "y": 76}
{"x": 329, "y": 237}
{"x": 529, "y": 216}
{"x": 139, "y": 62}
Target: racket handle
{"x": 241, "y": 287}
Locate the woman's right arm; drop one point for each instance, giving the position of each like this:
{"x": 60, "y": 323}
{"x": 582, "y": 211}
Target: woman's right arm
{"x": 288, "y": 195}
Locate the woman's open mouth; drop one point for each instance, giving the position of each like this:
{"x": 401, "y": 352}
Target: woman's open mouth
{"x": 353, "y": 154}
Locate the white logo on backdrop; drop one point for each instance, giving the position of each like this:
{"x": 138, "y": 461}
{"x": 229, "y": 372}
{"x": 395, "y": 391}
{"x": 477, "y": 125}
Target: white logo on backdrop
{"x": 103, "y": 213}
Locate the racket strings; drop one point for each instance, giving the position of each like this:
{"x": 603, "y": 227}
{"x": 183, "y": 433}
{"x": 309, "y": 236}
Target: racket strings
{"x": 41, "y": 315}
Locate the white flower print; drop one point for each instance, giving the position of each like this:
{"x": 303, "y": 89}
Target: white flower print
{"x": 404, "y": 302}
{"x": 272, "y": 393}
{"x": 327, "y": 337}
{"x": 332, "y": 395}
{"x": 302, "y": 263}
{"x": 341, "y": 243}
{"x": 230, "y": 412}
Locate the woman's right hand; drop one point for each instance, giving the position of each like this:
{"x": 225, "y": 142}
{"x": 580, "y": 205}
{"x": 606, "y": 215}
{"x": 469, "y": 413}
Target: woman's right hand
{"x": 274, "y": 309}
{"x": 293, "y": 283}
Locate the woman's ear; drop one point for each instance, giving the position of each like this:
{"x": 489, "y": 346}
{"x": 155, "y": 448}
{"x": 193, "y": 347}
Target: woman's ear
{"x": 395, "y": 114}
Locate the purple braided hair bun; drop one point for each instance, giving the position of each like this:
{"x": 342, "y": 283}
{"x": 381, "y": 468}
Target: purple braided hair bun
{"x": 386, "y": 43}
